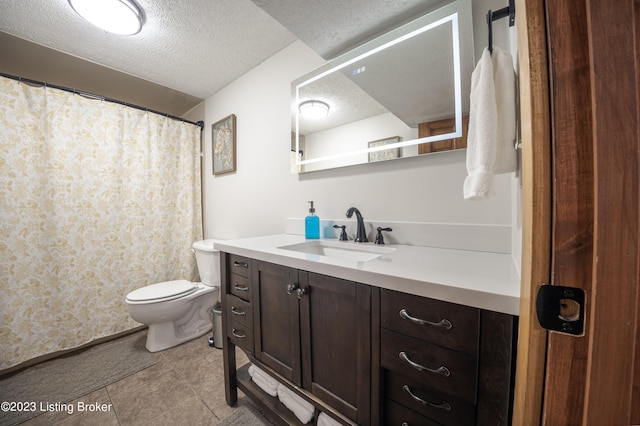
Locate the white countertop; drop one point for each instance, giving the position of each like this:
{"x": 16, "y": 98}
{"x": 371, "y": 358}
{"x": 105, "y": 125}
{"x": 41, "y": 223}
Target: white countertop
{"x": 473, "y": 278}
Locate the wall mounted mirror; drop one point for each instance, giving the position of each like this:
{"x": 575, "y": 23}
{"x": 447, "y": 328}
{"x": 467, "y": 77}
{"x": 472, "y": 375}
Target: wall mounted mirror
{"x": 403, "y": 94}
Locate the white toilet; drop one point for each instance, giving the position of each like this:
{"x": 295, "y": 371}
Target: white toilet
{"x": 178, "y": 311}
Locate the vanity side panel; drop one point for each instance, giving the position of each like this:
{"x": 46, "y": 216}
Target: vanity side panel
{"x": 496, "y": 374}
{"x": 228, "y": 348}
{"x": 377, "y": 410}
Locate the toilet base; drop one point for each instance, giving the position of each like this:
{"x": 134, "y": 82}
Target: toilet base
{"x": 167, "y": 334}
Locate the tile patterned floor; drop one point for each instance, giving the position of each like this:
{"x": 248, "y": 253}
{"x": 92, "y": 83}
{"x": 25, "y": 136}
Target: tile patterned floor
{"x": 184, "y": 387}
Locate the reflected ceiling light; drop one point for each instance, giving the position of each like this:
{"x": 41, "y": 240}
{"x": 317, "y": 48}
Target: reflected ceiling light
{"x": 313, "y": 109}
{"x": 114, "y": 16}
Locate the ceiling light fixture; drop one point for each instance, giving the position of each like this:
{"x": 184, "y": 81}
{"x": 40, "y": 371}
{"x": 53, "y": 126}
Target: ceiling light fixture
{"x": 115, "y": 16}
{"x": 313, "y": 109}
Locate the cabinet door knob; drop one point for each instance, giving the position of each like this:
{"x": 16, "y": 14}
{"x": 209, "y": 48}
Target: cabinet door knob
{"x": 444, "y": 405}
{"x": 442, "y": 370}
{"x": 444, "y": 323}
{"x": 292, "y": 287}
{"x": 301, "y": 292}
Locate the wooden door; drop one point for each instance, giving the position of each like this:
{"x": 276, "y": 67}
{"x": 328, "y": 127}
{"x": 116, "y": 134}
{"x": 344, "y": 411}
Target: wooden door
{"x": 276, "y": 319}
{"x": 336, "y": 343}
{"x": 440, "y": 127}
{"x": 594, "y": 99}
{"x": 593, "y": 86}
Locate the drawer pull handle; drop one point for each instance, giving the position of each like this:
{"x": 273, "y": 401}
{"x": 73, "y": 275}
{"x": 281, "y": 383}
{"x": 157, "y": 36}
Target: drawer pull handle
{"x": 444, "y": 323}
{"x": 444, "y": 405}
{"x": 240, "y": 287}
{"x": 236, "y": 312}
{"x": 239, "y": 336}
{"x": 240, "y": 264}
{"x": 442, "y": 370}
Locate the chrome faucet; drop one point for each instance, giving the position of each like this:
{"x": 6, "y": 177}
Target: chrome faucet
{"x": 361, "y": 234}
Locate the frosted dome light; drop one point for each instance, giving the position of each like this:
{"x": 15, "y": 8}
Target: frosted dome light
{"x": 114, "y": 16}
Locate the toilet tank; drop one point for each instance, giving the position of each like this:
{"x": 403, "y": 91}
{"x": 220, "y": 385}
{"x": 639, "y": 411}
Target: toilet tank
{"x": 208, "y": 260}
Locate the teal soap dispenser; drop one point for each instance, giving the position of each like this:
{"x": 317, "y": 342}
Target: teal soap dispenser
{"x": 312, "y": 224}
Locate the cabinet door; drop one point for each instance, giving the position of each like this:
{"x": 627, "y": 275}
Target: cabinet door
{"x": 276, "y": 319}
{"x": 336, "y": 343}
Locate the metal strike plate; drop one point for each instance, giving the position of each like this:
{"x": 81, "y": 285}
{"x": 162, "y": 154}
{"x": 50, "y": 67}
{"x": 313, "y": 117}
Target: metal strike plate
{"x": 561, "y": 309}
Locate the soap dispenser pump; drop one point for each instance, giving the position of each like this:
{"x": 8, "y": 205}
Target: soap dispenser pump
{"x": 312, "y": 224}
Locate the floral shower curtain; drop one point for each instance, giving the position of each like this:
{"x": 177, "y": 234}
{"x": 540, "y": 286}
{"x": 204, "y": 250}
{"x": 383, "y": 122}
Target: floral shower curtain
{"x": 96, "y": 199}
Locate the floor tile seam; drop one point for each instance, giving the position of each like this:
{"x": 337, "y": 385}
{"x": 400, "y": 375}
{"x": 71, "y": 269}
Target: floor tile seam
{"x": 115, "y": 411}
{"x": 134, "y": 382}
{"x": 152, "y": 396}
{"x": 153, "y": 420}
{"x": 211, "y": 410}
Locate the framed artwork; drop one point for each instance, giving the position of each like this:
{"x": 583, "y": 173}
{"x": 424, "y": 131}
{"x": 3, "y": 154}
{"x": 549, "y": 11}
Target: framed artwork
{"x": 385, "y": 154}
{"x": 223, "y": 134}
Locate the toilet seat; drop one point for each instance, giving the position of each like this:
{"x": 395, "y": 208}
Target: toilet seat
{"x": 162, "y": 292}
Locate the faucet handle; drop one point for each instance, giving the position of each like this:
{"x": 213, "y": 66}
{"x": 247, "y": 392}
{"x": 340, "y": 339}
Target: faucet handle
{"x": 343, "y": 234}
{"x": 379, "y": 237}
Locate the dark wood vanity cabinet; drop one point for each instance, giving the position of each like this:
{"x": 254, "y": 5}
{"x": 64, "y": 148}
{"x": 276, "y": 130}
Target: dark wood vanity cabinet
{"x": 314, "y": 330}
{"x": 310, "y": 329}
{"x": 444, "y": 363}
{"x": 365, "y": 355}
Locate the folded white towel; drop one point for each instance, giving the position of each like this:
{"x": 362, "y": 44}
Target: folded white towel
{"x": 265, "y": 385}
{"x": 302, "y": 409}
{"x": 325, "y": 420}
{"x": 492, "y": 124}
{"x": 263, "y": 380}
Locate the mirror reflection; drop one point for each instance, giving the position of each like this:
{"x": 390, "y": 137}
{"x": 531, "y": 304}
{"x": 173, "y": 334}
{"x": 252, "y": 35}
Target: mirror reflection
{"x": 403, "y": 94}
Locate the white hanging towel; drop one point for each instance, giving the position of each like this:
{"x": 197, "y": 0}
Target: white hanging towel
{"x": 492, "y": 124}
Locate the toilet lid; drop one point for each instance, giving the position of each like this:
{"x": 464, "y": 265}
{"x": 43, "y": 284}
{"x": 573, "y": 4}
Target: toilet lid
{"x": 167, "y": 290}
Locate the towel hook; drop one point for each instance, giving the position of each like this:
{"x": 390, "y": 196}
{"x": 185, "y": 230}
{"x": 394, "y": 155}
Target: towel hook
{"x": 509, "y": 11}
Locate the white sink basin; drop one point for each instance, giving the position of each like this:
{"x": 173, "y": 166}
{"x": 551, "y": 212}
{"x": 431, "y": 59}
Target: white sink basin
{"x": 345, "y": 250}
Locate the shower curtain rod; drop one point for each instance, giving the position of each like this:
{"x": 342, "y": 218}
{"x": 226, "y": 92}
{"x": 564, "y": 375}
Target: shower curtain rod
{"x": 102, "y": 98}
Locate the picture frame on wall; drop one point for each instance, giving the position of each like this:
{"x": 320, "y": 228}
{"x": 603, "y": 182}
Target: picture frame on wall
{"x": 385, "y": 154}
{"x": 223, "y": 141}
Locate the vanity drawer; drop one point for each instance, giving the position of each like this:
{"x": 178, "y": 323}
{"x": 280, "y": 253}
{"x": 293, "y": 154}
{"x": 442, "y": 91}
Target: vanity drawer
{"x": 239, "y": 310}
{"x": 443, "y": 323}
{"x": 454, "y": 373}
{"x": 240, "y": 334}
{"x": 431, "y": 403}
{"x": 240, "y": 286}
{"x": 397, "y": 415}
{"x": 239, "y": 265}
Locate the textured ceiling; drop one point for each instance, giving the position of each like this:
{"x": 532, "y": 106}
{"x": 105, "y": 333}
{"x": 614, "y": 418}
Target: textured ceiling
{"x": 196, "y": 46}
{"x": 199, "y": 46}
{"x": 331, "y": 27}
